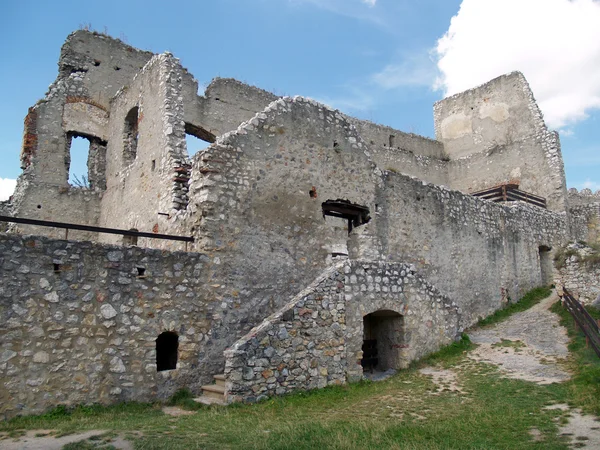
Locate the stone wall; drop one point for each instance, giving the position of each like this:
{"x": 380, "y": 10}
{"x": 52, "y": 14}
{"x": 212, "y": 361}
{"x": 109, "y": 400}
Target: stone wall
{"x": 150, "y": 176}
{"x": 316, "y": 339}
{"x": 494, "y": 134}
{"x": 92, "y": 67}
{"x": 581, "y": 278}
{"x": 476, "y": 252}
{"x": 78, "y": 322}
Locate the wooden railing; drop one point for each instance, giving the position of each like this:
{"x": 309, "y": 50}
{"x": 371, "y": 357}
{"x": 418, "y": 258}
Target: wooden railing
{"x": 583, "y": 321}
{"x": 510, "y": 192}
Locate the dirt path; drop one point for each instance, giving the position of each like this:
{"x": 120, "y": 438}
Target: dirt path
{"x": 528, "y": 346}
{"x": 47, "y": 440}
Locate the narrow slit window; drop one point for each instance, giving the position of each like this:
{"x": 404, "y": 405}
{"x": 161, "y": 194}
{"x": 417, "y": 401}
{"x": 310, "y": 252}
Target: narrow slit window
{"x": 130, "y": 135}
{"x": 167, "y": 345}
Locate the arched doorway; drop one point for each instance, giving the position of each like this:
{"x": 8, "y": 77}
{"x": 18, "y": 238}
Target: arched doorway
{"x": 383, "y": 341}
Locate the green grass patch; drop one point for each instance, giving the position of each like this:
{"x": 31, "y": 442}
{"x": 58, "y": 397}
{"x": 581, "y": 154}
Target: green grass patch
{"x": 527, "y": 301}
{"x": 585, "y": 364}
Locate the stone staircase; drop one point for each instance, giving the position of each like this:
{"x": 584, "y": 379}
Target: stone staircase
{"x": 213, "y": 393}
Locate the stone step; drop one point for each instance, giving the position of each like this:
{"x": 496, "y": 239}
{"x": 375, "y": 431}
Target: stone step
{"x": 220, "y": 379}
{"x": 210, "y": 400}
{"x": 214, "y": 391}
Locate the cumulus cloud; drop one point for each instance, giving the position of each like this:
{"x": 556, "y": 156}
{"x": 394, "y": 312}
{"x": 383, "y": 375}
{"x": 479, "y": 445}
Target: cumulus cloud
{"x": 555, "y": 43}
{"x": 7, "y": 187}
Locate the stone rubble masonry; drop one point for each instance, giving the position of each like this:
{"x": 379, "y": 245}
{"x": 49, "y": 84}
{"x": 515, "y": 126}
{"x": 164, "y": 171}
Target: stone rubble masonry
{"x": 78, "y": 322}
{"x": 315, "y": 340}
{"x": 581, "y": 279}
{"x": 585, "y": 214}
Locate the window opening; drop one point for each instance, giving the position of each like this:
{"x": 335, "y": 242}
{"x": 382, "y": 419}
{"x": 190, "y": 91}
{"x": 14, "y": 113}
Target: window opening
{"x": 167, "y": 345}
{"x": 130, "y": 135}
{"x": 197, "y": 138}
{"x": 392, "y": 140}
{"x": 356, "y": 215}
{"x": 85, "y": 161}
{"x": 78, "y": 154}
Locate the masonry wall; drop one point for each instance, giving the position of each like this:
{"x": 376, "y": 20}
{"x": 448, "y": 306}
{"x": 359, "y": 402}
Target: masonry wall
{"x": 476, "y": 252}
{"x": 494, "y": 134}
{"x": 226, "y": 103}
{"x": 78, "y": 322}
{"x": 92, "y": 67}
{"x": 581, "y": 278}
{"x": 315, "y": 340}
{"x": 142, "y": 190}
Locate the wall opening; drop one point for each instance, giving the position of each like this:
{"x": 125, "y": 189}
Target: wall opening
{"x": 85, "y": 161}
{"x": 197, "y": 138}
{"x": 546, "y": 265}
{"x": 355, "y": 214}
{"x": 167, "y": 345}
{"x": 130, "y": 135}
{"x": 130, "y": 240}
{"x": 383, "y": 341}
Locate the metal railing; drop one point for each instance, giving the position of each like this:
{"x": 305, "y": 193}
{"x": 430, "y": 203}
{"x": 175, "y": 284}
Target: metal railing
{"x": 508, "y": 193}
{"x": 92, "y": 229}
{"x": 583, "y": 321}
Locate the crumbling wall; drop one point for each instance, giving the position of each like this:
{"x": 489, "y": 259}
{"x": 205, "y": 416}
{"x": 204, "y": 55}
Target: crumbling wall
{"x": 78, "y": 322}
{"x": 578, "y": 270}
{"x": 494, "y": 134}
{"x": 256, "y": 204}
{"x": 476, "y": 252}
{"x": 226, "y": 103}
{"x": 584, "y": 214}
{"x": 315, "y": 340}
{"x": 147, "y": 167}
{"x": 92, "y": 67}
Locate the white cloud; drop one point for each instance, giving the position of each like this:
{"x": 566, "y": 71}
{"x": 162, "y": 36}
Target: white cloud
{"x": 7, "y": 187}
{"x": 371, "y": 3}
{"x": 555, "y": 43}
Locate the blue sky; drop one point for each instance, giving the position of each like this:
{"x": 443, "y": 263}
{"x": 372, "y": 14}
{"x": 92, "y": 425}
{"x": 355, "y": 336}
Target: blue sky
{"x": 381, "y": 60}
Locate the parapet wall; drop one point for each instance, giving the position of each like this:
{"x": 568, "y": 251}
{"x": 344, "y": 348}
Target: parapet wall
{"x": 79, "y": 321}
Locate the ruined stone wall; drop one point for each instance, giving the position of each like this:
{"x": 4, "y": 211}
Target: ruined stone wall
{"x": 580, "y": 276}
{"x": 78, "y": 322}
{"x": 316, "y": 339}
{"x": 146, "y": 177}
{"x": 495, "y": 134}
{"x": 92, "y": 67}
{"x": 474, "y": 251}
{"x": 226, "y": 103}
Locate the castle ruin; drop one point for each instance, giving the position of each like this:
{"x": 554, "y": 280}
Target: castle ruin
{"x": 323, "y": 245}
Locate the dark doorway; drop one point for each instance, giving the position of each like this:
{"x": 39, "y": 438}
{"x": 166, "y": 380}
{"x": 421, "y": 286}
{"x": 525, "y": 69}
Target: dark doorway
{"x": 546, "y": 265}
{"x": 383, "y": 341}
{"x": 167, "y": 344}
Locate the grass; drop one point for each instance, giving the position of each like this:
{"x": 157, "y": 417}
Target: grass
{"x": 527, "y": 301}
{"x": 406, "y": 411}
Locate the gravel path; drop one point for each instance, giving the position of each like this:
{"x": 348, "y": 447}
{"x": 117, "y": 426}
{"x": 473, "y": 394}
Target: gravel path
{"x": 528, "y": 346}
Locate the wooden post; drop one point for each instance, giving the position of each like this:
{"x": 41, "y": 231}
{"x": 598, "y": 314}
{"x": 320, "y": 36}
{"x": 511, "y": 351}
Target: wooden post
{"x": 587, "y": 342}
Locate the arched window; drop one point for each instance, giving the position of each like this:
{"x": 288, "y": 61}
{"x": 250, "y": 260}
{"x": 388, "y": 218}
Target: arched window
{"x": 130, "y": 135}
{"x": 167, "y": 344}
